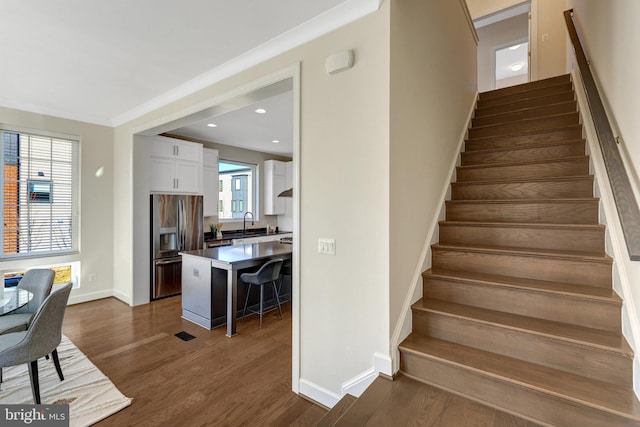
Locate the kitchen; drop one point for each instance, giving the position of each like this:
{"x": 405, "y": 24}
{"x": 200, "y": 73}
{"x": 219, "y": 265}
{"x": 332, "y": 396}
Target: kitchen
{"x": 242, "y": 176}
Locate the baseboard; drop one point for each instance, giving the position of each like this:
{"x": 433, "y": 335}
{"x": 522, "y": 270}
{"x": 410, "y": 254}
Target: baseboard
{"x": 122, "y": 297}
{"x": 318, "y": 394}
{"x": 77, "y": 299}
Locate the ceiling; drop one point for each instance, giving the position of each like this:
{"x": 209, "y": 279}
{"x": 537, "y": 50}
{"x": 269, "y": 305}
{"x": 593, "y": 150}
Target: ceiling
{"x": 108, "y": 62}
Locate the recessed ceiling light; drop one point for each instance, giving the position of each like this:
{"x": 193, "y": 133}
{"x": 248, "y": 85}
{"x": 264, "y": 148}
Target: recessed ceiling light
{"x": 514, "y": 47}
{"x": 212, "y": 125}
{"x": 275, "y": 141}
{"x": 260, "y": 110}
{"x": 516, "y": 67}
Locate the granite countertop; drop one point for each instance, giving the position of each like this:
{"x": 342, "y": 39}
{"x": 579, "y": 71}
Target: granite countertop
{"x": 236, "y": 254}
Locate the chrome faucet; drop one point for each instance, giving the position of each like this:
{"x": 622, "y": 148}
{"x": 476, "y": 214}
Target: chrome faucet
{"x": 244, "y": 221}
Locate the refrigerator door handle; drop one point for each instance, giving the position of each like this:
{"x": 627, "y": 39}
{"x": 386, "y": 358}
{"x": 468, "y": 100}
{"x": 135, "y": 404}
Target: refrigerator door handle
{"x": 181, "y": 225}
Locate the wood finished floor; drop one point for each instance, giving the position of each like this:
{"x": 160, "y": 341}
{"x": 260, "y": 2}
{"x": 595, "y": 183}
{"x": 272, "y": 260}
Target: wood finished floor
{"x": 243, "y": 381}
{"x": 211, "y": 380}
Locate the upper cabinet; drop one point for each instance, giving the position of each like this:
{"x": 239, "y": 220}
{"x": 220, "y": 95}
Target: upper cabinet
{"x": 274, "y": 184}
{"x": 210, "y": 180}
{"x": 176, "y": 166}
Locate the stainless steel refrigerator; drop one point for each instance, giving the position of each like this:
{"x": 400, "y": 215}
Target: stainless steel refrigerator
{"x": 176, "y": 226}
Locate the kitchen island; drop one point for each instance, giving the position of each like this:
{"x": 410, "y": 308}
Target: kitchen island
{"x": 210, "y": 280}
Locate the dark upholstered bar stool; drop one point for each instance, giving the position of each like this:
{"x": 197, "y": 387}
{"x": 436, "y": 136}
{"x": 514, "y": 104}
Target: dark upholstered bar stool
{"x": 267, "y": 274}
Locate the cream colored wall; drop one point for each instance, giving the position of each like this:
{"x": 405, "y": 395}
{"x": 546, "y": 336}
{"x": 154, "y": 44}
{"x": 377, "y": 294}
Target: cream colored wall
{"x": 344, "y": 195}
{"x": 549, "y": 38}
{"x": 609, "y": 32}
{"x": 495, "y": 36}
{"x": 481, "y": 8}
{"x": 433, "y": 89}
{"x": 96, "y": 202}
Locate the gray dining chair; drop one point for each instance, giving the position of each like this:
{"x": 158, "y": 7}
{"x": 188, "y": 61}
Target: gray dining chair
{"x": 38, "y": 281}
{"x": 40, "y": 339}
{"x": 267, "y": 274}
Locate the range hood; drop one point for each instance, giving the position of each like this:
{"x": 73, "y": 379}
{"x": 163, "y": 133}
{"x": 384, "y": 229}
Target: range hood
{"x": 286, "y": 193}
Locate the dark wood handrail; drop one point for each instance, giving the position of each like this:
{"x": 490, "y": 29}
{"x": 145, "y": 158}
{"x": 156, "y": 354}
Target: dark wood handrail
{"x": 625, "y": 200}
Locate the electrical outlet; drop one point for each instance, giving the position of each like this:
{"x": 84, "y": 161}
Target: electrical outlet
{"x": 545, "y": 37}
{"x": 327, "y": 246}
{"x": 92, "y": 277}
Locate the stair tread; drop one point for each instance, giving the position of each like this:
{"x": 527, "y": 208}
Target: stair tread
{"x": 525, "y": 224}
{"x": 580, "y": 335}
{"x": 533, "y": 132}
{"x": 560, "y": 288}
{"x": 524, "y": 163}
{"x": 548, "y": 99}
{"x": 526, "y": 180}
{"x": 531, "y": 94}
{"x": 526, "y": 109}
{"x": 542, "y": 145}
{"x": 598, "y": 394}
{"x": 525, "y": 120}
{"x": 523, "y": 201}
{"x": 524, "y": 87}
{"x": 563, "y": 254}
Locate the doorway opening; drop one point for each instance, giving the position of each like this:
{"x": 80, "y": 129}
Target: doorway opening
{"x": 504, "y": 47}
{"x": 512, "y": 64}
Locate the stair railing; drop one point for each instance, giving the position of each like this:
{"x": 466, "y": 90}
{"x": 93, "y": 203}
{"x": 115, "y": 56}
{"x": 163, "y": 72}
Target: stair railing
{"x": 625, "y": 200}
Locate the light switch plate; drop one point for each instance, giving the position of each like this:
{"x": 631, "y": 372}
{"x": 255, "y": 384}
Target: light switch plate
{"x": 327, "y": 246}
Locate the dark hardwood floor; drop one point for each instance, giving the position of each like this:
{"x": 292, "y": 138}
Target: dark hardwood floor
{"x": 209, "y": 380}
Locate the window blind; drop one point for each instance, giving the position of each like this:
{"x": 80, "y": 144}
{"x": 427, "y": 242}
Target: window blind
{"x": 39, "y": 194}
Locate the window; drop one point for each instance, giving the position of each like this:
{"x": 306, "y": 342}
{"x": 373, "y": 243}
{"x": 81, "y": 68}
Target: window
{"x": 220, "y": 206}
{"x": 221, "y": 187}
{"x": 40, "y": 194}
{"x": 238, "y": 180}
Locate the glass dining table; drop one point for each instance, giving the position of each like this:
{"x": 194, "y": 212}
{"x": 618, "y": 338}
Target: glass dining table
{"x": 12, "y": 299}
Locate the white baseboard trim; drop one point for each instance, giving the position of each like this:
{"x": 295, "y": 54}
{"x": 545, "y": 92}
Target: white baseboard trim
{"x": 77, "y": 299}
{"x": 318, "y": 394}
{"x": 122, "y": 297}
{"x": 355, "y": 386}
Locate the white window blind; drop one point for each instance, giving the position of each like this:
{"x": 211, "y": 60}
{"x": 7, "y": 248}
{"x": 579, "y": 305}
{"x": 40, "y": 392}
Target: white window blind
{"x": 39, "y": 194}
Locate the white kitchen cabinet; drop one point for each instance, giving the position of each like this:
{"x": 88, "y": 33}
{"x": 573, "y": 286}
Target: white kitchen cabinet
{"x": 274, "y": 184}
{"x": 176, "y": 166}
{"x": 210, "y": 180}
{"x": 175, "y": 149}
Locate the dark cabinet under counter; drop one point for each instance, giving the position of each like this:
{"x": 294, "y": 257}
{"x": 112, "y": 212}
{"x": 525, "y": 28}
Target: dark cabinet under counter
{"x": 209, "y": 275}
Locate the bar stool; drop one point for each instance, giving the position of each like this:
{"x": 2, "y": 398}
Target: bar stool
{"x": 268, "y": 273}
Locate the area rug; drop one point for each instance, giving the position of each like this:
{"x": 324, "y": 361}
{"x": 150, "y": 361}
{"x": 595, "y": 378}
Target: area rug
{"x": 90, "y": 394}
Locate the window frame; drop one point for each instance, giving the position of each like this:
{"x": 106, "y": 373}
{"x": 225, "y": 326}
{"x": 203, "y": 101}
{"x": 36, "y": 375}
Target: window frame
{"x": 253, "y": 185}
{"x": 75, "y": 217}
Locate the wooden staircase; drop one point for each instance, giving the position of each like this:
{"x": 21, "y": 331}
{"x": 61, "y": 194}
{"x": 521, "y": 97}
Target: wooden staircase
{"x": 518, "y": 311}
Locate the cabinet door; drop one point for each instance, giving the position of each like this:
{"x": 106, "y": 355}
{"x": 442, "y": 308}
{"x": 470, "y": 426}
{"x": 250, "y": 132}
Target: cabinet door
{"x": 162, "y": 177}
{"x": 188, "y": 150}
{"x": 163, "y": 147}
{"x": 273, "y": 185}
{"x": 188, "y": 177}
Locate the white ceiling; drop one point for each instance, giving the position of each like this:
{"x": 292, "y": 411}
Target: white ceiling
{"x": 108, "y": 62}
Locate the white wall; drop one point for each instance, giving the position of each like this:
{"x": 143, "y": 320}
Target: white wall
{"x": 433, "y": 90}
{"x": 344, "y": 195}
{"x": 481, "y": 8}
{"x": 609, "y": 30}
{"x": 96, "y": 203}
